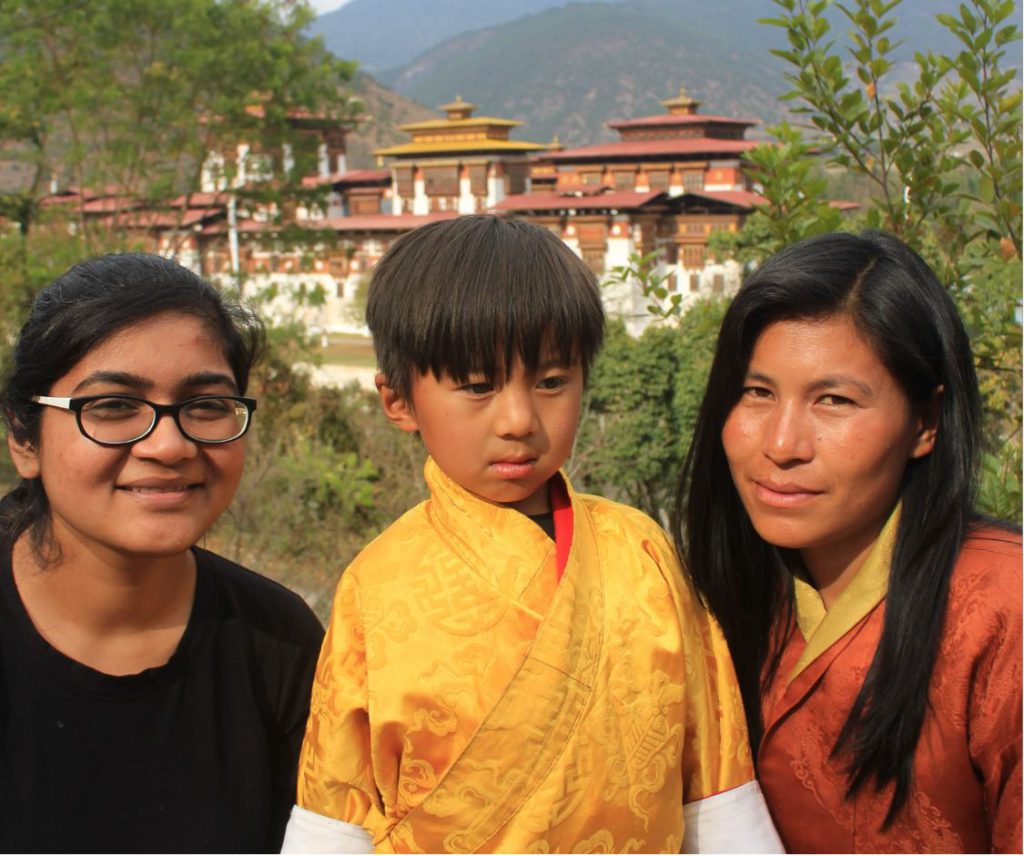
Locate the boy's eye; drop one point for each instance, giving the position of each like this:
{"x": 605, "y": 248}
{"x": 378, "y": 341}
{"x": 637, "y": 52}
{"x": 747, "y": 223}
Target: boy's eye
{"x": 480, "y": 388}
{"x": 552, "y": 382}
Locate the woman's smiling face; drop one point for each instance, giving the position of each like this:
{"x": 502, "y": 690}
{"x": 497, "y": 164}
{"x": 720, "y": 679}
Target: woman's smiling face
{"x": 820, "y": 438}
{"x": 156, "y": 497}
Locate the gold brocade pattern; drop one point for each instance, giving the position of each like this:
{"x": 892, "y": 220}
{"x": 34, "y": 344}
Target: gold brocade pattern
{"x": 467, "y": 702}
{"x": 965, "y": 793}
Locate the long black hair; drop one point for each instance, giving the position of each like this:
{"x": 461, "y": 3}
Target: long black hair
{"x": 901, "y": 309}
{"x": 81, "y": 309}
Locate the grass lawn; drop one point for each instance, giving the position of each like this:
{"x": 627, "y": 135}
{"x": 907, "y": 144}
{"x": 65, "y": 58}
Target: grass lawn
{"x": 349, "y": 351}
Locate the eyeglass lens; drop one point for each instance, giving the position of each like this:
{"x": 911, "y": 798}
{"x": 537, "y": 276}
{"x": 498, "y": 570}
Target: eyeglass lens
{"x": 121, "y": 420}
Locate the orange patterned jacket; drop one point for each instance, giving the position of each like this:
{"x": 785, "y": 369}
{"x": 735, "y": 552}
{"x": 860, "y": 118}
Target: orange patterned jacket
{"x": 966, "y": 788}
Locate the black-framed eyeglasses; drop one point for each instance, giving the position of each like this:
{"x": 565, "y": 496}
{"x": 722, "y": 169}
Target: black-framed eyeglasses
{"x": 118, "y": 420}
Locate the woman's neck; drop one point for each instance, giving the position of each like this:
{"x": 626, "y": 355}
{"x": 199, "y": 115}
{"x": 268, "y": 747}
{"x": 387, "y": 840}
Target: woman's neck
{"x": 116, "y": 615}
{"x": 833, "y": 567}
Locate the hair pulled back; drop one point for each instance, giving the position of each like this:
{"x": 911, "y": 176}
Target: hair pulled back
{"x": 79, "y": 311}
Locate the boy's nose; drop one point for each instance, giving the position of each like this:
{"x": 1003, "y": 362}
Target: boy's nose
{"x": 516, "y": 415}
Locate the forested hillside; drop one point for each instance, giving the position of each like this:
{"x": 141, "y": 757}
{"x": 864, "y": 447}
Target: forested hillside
{"x": 568, "y": 69}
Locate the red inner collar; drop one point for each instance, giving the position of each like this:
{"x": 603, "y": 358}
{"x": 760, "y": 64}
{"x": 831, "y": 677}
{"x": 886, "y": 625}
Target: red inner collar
{"x": 561, "y": 511}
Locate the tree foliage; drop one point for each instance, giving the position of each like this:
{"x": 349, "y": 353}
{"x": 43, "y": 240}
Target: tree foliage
{"x": 640, "y": 408}
{"x": 128, "y": 97}
{"x": 942, "y": 154}
{"x": 324, "y": 473}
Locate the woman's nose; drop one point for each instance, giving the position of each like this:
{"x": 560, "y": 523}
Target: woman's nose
{"x": 788, "y": 435}
{"x": 166, "y": 443}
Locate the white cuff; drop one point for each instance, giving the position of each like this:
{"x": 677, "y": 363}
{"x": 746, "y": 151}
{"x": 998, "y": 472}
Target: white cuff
{"x": 734, "y": 821}
{"x": 309, "y": 832}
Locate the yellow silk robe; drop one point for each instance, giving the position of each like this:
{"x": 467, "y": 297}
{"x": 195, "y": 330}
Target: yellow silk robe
{"x": 965, "y": 793}
{"x": 467, "y": 701}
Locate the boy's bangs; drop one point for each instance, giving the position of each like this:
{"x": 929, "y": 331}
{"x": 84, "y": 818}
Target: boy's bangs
{"x": 471, "y": 298}
{"x": 485, "y": 332}
{"x": 487, "y": 357}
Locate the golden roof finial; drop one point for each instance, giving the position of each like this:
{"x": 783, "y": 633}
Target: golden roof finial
{"x": 682, "y": 104}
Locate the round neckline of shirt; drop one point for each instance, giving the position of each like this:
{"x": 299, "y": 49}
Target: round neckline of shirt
{"x": 78, "y": 676}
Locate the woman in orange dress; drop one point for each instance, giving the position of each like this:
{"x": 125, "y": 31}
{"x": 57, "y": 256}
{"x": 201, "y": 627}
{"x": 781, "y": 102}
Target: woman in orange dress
{"x": 826, "y": 513}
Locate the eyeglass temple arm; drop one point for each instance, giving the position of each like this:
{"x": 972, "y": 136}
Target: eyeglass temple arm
{"x": 53, "y": 401}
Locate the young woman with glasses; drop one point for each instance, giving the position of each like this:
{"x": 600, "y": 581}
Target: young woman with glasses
{"x": 153, "y": 695}
{"x": 827, "y": 517}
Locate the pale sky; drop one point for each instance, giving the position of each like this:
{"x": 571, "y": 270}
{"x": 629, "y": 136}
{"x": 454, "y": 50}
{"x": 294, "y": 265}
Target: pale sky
{"x": 321, "y": 6}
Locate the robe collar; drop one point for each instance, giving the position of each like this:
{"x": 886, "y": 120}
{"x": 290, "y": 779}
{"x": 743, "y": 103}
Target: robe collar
{"x": 502, "y": 545}
{"x": 822, "y": 628}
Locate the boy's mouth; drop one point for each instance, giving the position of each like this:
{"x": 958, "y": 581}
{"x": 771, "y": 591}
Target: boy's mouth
{"x": 514, "y": 468}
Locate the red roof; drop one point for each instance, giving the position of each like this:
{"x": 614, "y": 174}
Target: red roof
{"x": 739, "y": 198}
{"x": 109, "y": 203}
{"x": 201, "y": 199}
{"x": 652, "y": 148}
{"x": 668, "y": 119}
{"x": 353, "y": 176}
{"x": 357, "y": 223}
{"x": 385, "y": 222}
{"x": 591, "y": 202}
{"x": 59, "y": 199}
{"x": 162, "y": 219}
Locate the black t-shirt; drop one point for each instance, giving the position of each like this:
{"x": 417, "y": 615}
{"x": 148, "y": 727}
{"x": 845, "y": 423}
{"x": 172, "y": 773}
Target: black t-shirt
{"x": 198, "y": 755}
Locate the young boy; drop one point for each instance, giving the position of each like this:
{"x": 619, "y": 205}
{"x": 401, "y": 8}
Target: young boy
{"x": 512, "y": 666}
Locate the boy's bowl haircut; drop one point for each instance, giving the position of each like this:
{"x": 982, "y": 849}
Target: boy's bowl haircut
{"x": 469, "y": 296}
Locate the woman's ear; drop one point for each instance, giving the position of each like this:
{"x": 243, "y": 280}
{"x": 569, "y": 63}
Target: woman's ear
{"x": 398, "y": 411}
{"x": 927, "y": 425}
{"x": 25, "y": 457}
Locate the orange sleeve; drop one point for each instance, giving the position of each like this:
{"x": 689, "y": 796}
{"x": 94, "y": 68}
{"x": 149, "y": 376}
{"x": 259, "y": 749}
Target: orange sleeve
{"x": 716, "y": 751}
{"x": 335, "y": 766}
{"x": 995, "y": 726}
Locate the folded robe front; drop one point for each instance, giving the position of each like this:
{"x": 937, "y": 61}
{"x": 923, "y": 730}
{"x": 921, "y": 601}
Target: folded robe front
{"x": 467, "y": 700}
{"x": 965, "y": 788}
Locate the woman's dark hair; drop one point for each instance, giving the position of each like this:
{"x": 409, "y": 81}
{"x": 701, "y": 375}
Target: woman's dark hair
{"x": 471, "y": 294}
{"x": 898, "y": 306}
{"x": 78, "y": 311}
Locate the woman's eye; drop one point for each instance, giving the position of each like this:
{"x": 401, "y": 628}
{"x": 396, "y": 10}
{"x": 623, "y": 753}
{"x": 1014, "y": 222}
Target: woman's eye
{"x": 210, "y": 408}
{"x": 833, "y": 400}
{"x": 553, "y": 382}
{"x": 112, "y": 408}
{"x": 756, "y": 392}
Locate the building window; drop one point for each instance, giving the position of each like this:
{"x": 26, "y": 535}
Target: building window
{"x": 694, "y": 282}
{"x": 624, "y": 180}
{"x": 693, "y": 257}
{"x": 693, "y": 181}
{"x": 718, "y": 283}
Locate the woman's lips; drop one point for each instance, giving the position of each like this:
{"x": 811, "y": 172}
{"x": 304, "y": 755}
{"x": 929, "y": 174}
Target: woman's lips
{"x": 160, "y": 495}
{"x": 784, "y": 496}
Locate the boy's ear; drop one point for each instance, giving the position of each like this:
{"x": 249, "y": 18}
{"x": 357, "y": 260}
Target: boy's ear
{"x": 398, "y": 411}
{"x": 26, "y": 461}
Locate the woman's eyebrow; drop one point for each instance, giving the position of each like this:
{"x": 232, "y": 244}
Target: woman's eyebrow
{"x": 819, "y": 384}
{"x": 208, "y": 379}
{"x": 128, "y": 379}
{"x": 141, "y": 384}
{"x": 834, "y": 381}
